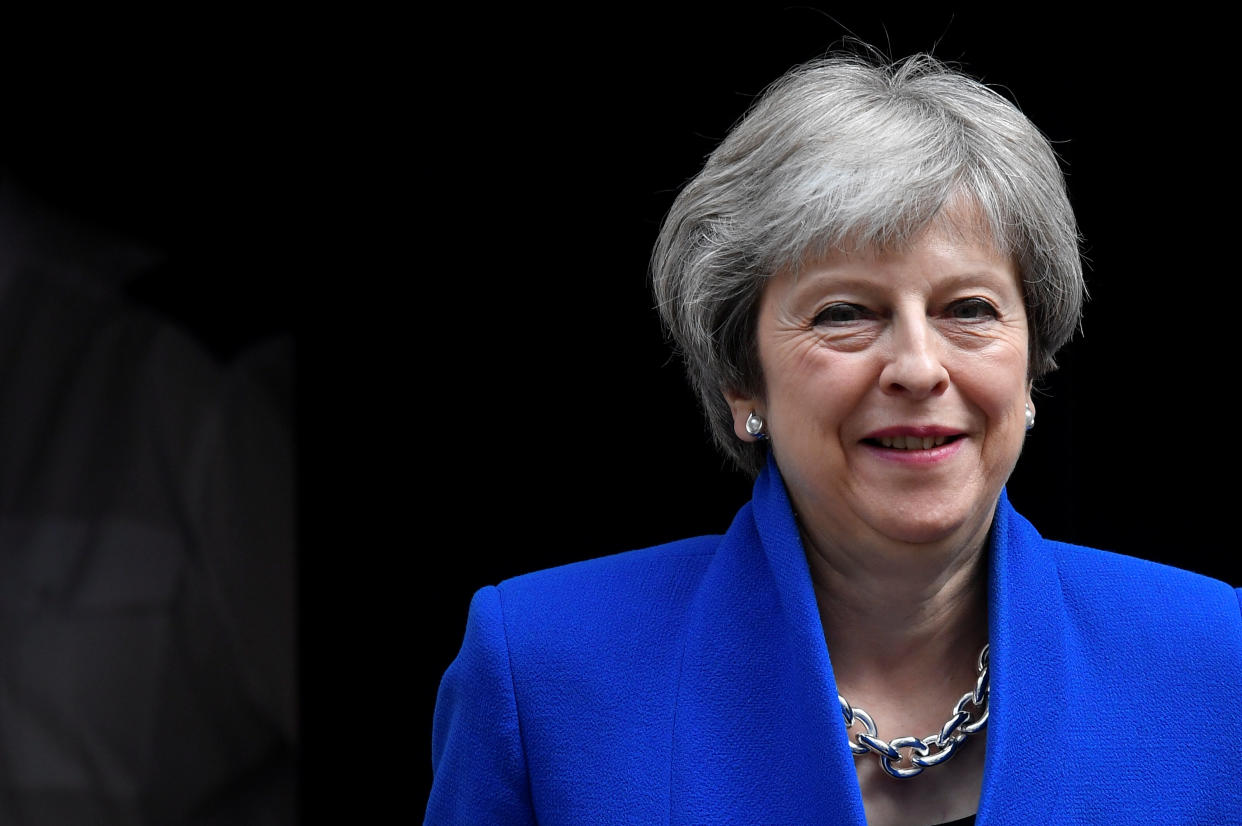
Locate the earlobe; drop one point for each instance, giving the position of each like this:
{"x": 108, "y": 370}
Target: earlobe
{"x": 748, "y": 423}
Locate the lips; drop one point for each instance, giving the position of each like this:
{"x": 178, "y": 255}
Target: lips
{"x": 912, "y": 442}
{"x": 912, "y": 438}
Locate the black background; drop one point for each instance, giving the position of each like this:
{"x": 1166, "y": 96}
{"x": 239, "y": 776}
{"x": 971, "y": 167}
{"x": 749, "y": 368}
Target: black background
{"x": 453, "y": 217}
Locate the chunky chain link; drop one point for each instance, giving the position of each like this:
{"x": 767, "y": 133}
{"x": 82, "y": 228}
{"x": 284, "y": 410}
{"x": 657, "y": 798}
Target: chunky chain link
{"x": 960, "y": 725}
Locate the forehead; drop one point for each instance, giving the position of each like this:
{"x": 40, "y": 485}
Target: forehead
{"x": 958, "y": 241}
{"x": 946, "y": 250}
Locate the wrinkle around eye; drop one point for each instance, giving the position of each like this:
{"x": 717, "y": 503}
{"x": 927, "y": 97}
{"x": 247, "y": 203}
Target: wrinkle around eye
{"x": 984, "y": 332}
{"x": 849, "y": 339}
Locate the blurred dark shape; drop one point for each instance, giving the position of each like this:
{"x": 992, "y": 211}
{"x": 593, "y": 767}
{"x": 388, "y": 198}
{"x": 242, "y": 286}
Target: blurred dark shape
{"x": 147, "y": 581}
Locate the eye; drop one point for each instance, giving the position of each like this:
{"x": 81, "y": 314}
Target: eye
{"x": 842, "y": 313}
{"x": 973, "y": 309}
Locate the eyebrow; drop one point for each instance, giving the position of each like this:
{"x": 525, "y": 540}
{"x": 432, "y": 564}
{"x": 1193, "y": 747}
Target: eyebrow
{"x": 846, "y": 282}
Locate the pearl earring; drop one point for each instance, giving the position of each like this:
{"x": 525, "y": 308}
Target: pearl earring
{"x": 1030, "y": 417}
{"x": 754, "y": 425}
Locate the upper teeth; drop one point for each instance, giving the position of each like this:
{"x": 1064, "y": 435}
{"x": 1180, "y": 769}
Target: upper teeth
{"x": 912, "y": 442}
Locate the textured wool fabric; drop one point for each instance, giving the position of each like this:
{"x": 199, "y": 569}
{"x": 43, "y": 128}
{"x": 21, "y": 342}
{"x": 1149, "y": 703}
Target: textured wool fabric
{"x": 690, "y": 683}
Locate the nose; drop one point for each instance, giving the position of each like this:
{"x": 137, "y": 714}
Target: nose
{"x": 914, "y": 362}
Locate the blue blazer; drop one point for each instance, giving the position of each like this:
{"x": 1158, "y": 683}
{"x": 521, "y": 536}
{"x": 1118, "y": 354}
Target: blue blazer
{"x": 690, "y": 684}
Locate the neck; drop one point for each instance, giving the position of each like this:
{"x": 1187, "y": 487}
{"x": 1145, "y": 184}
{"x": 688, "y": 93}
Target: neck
{"x": 904, "y": 625}
{"x": 888, "y": 611}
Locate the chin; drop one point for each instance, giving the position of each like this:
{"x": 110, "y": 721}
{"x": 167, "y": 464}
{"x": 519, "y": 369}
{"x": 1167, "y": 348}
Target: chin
{"x": 922, "y": 534}
{"x": 930, "y": 523}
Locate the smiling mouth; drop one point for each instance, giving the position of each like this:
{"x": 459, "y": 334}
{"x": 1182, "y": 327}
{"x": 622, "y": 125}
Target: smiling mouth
{"x": 911, "y": 442}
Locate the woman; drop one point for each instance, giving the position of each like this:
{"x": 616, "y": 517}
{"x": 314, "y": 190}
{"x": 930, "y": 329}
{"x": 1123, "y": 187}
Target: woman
{"x": 865, "y": 280}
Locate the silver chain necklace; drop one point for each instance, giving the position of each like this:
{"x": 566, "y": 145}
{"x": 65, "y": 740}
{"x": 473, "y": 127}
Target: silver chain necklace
{"x": 960, "y": 725}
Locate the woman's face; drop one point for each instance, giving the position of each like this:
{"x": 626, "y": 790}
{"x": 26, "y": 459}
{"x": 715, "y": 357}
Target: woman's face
{"x": 895, "y": 389}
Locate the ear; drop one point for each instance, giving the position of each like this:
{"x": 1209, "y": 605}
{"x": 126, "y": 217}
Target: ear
{"x": 1030, "y": 391}
{"x": 741, "y": 407}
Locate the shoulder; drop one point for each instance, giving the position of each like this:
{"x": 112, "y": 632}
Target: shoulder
{"x": 1091, "y": 570}
{"x": 1135, "y": 605}
{"x": 600, "y": 626}
{"x": 627, "y": 593}
{"x": 1112, "y": 586}
{"x": 1120, "y": 640}
{"x": 560, "y": 664}
{"x": 619, "y": 570}
{"x": 1122, "y": 615}
{"x": 592, "y": 610}
{"x": 1096, "y": 560}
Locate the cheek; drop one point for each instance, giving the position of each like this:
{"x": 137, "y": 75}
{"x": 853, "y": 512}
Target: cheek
{"x": 816, "y": 408}
{"x": 1001, "y": 376}
{"x": 997, "y": 388}
{"x": 1005, "y": 409}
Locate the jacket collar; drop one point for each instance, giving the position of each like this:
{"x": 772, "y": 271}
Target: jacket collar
{"x": 758, "y": 735}
{"x": 1028, "y": 630}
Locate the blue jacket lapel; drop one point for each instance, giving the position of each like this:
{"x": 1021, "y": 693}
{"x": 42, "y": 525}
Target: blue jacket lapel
{"x": 758, "y": 735}
{"x": 1027, "y": 628}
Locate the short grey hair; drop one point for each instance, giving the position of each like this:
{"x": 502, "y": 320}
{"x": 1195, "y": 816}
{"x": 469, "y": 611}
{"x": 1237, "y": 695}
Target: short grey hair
{"x": 846, "y": 152}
